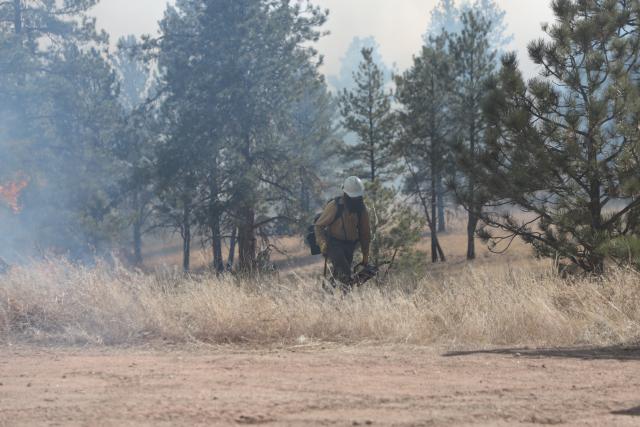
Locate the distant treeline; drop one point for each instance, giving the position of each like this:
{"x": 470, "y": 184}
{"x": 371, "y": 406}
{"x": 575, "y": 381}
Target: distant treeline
{"x": 222, "y": 128}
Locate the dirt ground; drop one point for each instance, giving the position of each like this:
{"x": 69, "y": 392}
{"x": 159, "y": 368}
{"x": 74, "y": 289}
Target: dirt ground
{"x": 318, "y": 385}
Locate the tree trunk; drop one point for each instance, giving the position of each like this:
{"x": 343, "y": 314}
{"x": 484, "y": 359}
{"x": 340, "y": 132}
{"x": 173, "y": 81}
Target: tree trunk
{"x": 186, "y": 237}
{"x": 232, "y": 249}
{"x": 186, "y": 249}
{"x": 432, "y": 227}
{"x": 435, "y": 241}
{"x": 18, "y": 28}
{"x": 372, "y": 159}
{"x": 17, "y": 16}
{"x": 137, "y": 243}
{"x": 473, "y": 217}
{"x": 442, "y": 227}
{"x": 434, "y": 235}
{"x": 305, "y": 197}
{"x": 471, "y": 234}
{"x": 594, "y": 259}
{"x": 216, "y": 244}
{"x": 434, "y": 202}
{"x": 214, "y": 224}
{"x": 137, "y": 231}
{"x": 247, "y": 241}
{"x": 372, "y": 139}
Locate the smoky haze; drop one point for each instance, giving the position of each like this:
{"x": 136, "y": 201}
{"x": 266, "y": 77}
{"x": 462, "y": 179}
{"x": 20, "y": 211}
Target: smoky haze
{"x": 398, "y": 26}
{"x": 235, "y": 143}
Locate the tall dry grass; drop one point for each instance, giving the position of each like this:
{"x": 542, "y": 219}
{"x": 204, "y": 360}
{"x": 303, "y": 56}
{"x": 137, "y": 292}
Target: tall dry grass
{"x": 56, "y": 302}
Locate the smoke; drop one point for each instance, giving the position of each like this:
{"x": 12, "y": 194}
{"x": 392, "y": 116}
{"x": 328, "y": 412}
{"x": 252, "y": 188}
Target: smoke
{"x": 56, "y": 181}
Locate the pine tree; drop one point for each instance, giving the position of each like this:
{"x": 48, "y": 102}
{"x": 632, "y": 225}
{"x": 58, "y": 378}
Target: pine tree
{"x": 274, "y": 66}
{"x": 563, "y": 147}
{"x": 424, "y": 93}
{"x": 447, "y": 17}
{"x": 135, "y": 147}
{"x": 314, "y": 133}
{"x": 474, "y": 62}
{"x": 231, "y": 71}
{"x": 366, "y": 111}
{"x": 351, "y": 60}
{"x": 395, "y": 227}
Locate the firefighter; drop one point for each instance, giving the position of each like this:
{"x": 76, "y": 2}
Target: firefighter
{"x": 343, "y": 225}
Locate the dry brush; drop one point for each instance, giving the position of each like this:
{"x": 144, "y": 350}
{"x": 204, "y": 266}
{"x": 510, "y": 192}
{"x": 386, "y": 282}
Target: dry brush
{"x": 59, "y": 303}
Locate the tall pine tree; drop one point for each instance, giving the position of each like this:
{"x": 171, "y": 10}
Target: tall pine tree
{"x": 366, "y": 111}
{"x": 564, "y": 147}
{"x": 231, "y": 71}
{"x": 474, "y": 62}
{"x": 424, "y": 93}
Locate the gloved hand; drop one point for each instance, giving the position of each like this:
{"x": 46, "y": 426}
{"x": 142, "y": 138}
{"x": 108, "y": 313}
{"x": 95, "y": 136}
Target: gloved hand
{"x": 323, "y": 248}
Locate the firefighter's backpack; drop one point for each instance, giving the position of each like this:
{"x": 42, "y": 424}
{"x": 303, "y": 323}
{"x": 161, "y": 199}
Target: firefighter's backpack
{"x": 310, "y": 237}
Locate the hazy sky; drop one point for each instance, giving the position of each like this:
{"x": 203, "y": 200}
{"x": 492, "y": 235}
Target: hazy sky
{"x": 397, "y": 25}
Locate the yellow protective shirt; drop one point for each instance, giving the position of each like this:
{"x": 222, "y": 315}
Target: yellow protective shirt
{"x": 348, "y": 227}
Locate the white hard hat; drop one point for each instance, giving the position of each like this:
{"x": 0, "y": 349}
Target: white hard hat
{"x": 353, "y": 187}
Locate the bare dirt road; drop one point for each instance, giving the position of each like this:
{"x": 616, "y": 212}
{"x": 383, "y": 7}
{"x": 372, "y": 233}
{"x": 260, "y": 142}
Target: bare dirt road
{"x": 316, "y": 385}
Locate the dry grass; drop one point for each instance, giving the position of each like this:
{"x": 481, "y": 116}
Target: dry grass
{"x": 59, "y": 303}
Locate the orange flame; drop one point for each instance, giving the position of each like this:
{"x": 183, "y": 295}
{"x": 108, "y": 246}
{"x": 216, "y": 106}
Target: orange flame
{"x": 10, "y": 193}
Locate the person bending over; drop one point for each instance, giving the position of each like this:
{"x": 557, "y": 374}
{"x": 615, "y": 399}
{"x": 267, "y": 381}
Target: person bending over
{"x": 342, "y": 225}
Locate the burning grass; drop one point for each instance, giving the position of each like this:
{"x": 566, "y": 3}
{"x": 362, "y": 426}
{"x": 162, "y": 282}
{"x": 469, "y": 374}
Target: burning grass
{"x": 10, "y": 193}
{"x": 58, "y": 303}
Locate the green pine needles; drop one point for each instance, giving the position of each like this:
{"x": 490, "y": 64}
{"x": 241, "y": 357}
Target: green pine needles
{"x": 564, "y": 148}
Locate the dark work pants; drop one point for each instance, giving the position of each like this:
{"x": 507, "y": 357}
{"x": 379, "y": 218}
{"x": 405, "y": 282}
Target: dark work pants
{"x": 340, "y": 254}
